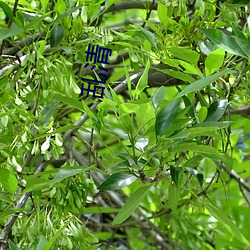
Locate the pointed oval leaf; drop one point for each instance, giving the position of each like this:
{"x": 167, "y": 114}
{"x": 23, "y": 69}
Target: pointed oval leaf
{"x": 216, "y": 110}
{"x": 158, "y": 97}
{"x": 185, "y": 54}
{"x": 197, "y": 85}
{"x": 214, "y": 61}
{"x": 132, "y": 203}
{"x": 173, "y": 196}
{"x": 174, "y": 172}
{"x": 56, "y": 35}
{"x": 223, "y": 41}
{"x": 143, "y": 81}
{"x": 8, "y": 180}
{"x": 66, "y": 172}
{"x": 117, "y": 181}
{"x": 7, "y": 10}
{"x": 166, "y": 117}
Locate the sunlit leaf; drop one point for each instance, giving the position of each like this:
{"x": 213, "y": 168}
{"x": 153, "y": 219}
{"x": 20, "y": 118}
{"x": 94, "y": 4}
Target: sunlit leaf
{"x": 158, "y": 97}
{"x": 198, "y": 85}
{"x": 223, "y": 41}
{"x": 143, "y": 81}
{"x": 185, "y": 54}
{"x": 117, "y": 181}
{"x": 214, "y": 61}
{"x": 8, "y": 180}
{"x": 173, "y": 196}
{"x": 7, "y": 10}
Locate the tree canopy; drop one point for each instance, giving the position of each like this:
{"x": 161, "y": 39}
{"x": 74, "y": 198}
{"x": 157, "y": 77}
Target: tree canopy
{"x": 161, "y": 161}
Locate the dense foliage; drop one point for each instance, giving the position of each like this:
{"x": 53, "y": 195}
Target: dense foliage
{"x": 161, "y": 162}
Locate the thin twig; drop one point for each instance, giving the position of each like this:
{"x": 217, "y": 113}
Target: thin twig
{"x": 9, "y": 24}
{"x": 148, "y": 14}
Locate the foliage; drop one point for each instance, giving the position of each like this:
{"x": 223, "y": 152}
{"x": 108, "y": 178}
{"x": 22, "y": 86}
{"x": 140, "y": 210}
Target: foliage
{"x": 161, "y": 162}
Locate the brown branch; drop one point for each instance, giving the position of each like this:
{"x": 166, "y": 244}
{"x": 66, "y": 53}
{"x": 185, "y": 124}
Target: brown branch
{"x": 236, "y": 177}
{"x": 21, "y": 44}
{"x": 148, "y": 14}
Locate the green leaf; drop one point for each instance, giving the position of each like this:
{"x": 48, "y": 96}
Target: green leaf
{"x": 194, "y": 161}
{"x": 238, "y": 33}
{"x": 36, "y": 21}
{"x": 7, "y": 10}
{"x": 70, "y": 101}
{"x": 198, "y": 175}
{"x": 49, "y": 110}
{"x": 44, "y": 3}
{"x": 56, "y": 131}
{"x": 128, "y": 108}
{"x": 117, "y": 181}
{"x": 35, "y": 184}
{"x": 197, "y": 85}
{"x": 144, "y": 34}
{"x": 188, "y": 105}
{"x": 41, "y": 243}
{"x": 202, "y": 114}
{"x": 216, "y": 110}
{"x": 219, "y": 125}
{"x": 166, "y": 117}
{"x": 186, "y": 54}
{"x": 13, "y": 31}
{"x": 177, "y": 74}
{"x": 67, "y": 12}
{"x": 49, "y": 244}
{"x": 227, "y": 223}
{"x": 174, "y": 172}
{"x": 214, "y": 61}
{"x": 13, "y": 246}
{"x": 173, "y": 196}
{"x": 189, "y": 68}
{"x": 56, "y": 35}
{"x": 158, "y": 97}
{"x": 9, "y": 211}
{"x": 143, "y": 81}
{"x": 223, "y": 41}
{"x": 8, "y": 180}
{"x": 244, "y": 45}
{"x": 66, "y": 172}
{"x": 132, "y": 203}
{"x": 98, "y": 210}
{"x": 204, "y": 150}
{"x": 161, "y": 11}
{"x": 193, "y": 132}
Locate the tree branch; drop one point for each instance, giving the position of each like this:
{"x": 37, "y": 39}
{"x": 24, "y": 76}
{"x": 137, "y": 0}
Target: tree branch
{"x": 21, "y": 44}
{"x": 236, "y": 177}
